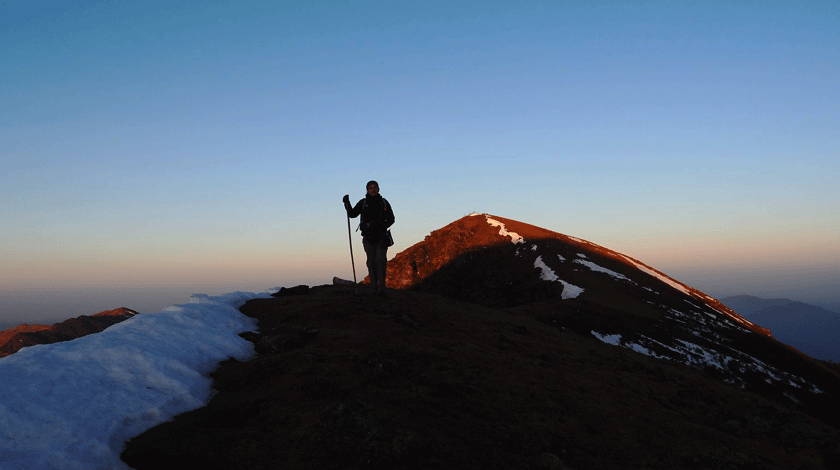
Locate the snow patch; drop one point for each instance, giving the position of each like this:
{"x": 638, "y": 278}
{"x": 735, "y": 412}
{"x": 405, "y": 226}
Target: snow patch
{"x": 547, "y": 274}
{"x": 744, "y": 323}
{"x": 661, "y": 277}
{"x": 615, "y": 340}
{"x": 595, "y": 267}
{"x": 515, "y": 238}
{"x": 698, "y": 356}
{"x": 694, "y": 305}
{"x": 570, "y": 291}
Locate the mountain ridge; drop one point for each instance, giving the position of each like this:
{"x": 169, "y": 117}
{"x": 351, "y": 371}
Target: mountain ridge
{"x": 503, "y": 345}
{"x": 422, "y": 381}
{"x": 469, "y": 235}
{"x": 18, "y": 337}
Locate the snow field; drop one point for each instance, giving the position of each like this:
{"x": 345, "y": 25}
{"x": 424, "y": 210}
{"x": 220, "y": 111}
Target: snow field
{"x": 73, "y": 405}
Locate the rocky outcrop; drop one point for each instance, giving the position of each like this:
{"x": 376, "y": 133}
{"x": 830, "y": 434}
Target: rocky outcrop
{"x": 21, "y": 336}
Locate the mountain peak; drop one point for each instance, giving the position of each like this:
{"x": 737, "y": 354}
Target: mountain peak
{"x": 503, "y": 263}
{"x": 498, "y": 261}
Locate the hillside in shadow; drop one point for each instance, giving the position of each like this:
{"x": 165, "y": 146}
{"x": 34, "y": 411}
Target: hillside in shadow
{"x": 501, "y": 345}
{"x": 422, "y": 381}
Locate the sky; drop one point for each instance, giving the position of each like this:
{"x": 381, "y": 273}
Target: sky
{"x": 72, "y": 405}
{"x": 154, "y": 149}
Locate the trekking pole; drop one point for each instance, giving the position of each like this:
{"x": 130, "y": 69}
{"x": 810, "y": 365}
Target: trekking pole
{"x": 352, "y": 261}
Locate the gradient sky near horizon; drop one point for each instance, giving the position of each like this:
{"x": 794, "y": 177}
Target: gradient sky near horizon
{"x": 153, "y": 149}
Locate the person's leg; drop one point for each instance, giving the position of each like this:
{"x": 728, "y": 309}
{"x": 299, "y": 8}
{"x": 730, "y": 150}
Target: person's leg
{"x": 371, "y": 252}
{"x": 381, "y": 266}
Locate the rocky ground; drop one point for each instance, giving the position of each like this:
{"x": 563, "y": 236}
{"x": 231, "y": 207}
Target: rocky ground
{"x": 416, "y": 380}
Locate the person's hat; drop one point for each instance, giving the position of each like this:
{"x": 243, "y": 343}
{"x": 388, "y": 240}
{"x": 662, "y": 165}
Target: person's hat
{"x": 370, "y": 183}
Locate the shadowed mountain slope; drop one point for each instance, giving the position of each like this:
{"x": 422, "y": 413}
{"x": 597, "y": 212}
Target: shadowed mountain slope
{"x": 499, "y": 262}
{"x": 21, "y": 336}
{"x": 506, "y": 346}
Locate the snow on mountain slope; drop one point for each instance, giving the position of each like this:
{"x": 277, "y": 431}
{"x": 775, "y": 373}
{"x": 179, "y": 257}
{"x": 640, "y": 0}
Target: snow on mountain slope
{"x": 496, "y": 261}
{"x": 72, "y": 405}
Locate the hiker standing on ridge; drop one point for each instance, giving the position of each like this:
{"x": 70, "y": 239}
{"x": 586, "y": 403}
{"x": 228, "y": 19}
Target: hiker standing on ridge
{"x": 377, "y": 217}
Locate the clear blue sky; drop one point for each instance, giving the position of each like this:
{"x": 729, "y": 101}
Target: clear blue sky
{"x": 153, "y": 148}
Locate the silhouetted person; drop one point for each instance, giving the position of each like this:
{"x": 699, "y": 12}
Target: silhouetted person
{"x": 377, "y": 217}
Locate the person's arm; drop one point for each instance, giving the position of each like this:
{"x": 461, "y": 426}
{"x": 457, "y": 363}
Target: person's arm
{"x": 389, "y": 215}
{"x": 353, "y": 212}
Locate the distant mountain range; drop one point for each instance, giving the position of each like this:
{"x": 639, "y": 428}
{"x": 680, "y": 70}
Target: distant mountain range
{"x": 5, "y": 325}
{"x": 830, "y": 306}
{"x": 808, "y": 328}
{"x": 748, "y": 304}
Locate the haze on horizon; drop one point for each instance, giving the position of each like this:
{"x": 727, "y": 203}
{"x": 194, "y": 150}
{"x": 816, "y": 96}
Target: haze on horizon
{"x": 155, "y": 149}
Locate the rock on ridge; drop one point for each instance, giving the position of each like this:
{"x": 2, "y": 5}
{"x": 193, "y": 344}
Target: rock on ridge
{"x": 21, "y": 336}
